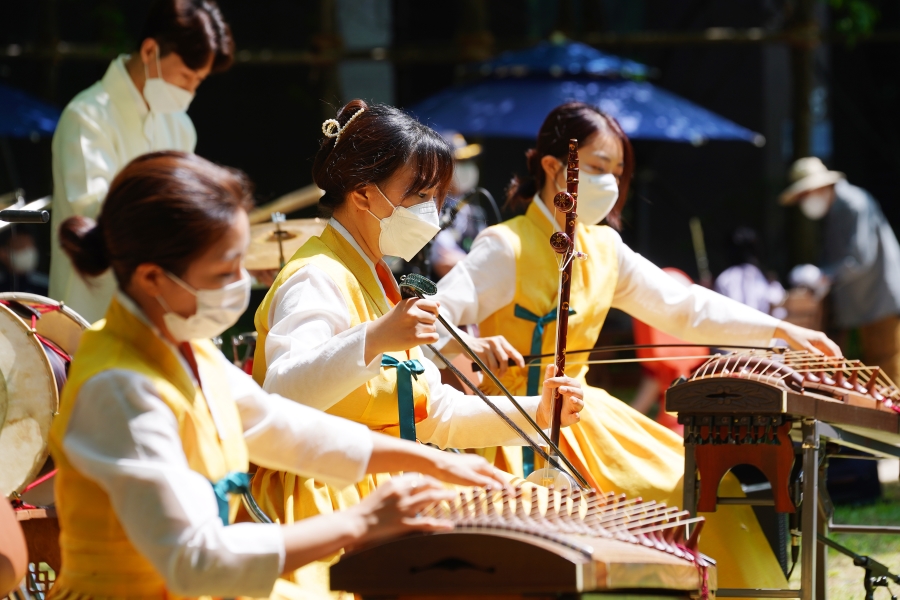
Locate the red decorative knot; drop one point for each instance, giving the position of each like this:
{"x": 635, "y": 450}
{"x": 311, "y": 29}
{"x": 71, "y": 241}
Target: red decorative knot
{"x": 560, "y": 242}
{"x": 564, "y": 201}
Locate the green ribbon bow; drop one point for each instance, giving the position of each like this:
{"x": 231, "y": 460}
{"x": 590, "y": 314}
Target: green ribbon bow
{"x": 232, "y": 483}
{"x": 406, "y": 370}
{"x": 534, "y": 370}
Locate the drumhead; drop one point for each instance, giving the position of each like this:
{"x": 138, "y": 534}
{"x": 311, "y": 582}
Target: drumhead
{"x": 63, "y": 327}
{"x": 31, "y": 401}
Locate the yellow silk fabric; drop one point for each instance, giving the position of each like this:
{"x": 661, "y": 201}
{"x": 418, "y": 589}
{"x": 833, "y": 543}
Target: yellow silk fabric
{"x": 98, "y": 559}
{"x": 614, "y": 446}
{"x": 285, "y": 497}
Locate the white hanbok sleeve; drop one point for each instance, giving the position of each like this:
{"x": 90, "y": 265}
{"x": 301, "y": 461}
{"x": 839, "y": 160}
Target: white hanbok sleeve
{"x": 479, "y": 285}
{"x": 288, "y": 436}
{"x": 85, "y": 157}
{"x": 456, "y": 420}
{"x": 314, "y": 356}
{"x": 691, "y": 313}
{"x": 168, "y": 510}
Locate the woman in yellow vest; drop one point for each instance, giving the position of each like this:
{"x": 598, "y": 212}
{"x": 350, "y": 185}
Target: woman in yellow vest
{"x": 333, "y": 332}
{"x": 156, "y": 427}
{"x": 508, "y": 283}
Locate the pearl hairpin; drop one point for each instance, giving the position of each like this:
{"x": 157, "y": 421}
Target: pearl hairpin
{"x": 332, "y": 128}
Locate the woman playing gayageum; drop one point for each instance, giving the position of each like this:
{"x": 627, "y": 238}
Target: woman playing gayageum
{"x": 156, "y": 428}
{"x": 334, "y": 332}
{"x": 508, "y": 284}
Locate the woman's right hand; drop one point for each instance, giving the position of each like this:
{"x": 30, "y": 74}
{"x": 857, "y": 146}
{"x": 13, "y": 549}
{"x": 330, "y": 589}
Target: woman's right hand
{"x": 390, "y": 454}
{"x": 393, "y": 508}
{"x": 390, "y": 510}
{"x": 410, "y": 323}
{"x": 495, "y": 351}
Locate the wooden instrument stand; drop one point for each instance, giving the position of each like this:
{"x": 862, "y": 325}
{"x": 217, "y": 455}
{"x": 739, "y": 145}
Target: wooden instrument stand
{"x": 719, "y": 413}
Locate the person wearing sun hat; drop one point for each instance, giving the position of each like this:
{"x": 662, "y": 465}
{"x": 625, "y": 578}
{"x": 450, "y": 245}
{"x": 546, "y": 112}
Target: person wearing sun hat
{"x": 860, "y": 256}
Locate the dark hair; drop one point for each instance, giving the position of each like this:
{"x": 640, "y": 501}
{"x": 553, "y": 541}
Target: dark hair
{"x": 571, "y": 120}
{"x": 745, "y": 247}
{"x": 194, "y": 30}
{"x": 379, "y": 141}
{"x": 164, "y": 208}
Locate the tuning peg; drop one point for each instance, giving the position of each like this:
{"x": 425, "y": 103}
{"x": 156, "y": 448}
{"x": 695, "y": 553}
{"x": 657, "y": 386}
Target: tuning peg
{"x": 560, "y": 242}
{"x": 564, "y": 201}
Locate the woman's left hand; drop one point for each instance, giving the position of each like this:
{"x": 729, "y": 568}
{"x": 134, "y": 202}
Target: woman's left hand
{"x": 801, "y": 338}
{"x": 572, "y": 395}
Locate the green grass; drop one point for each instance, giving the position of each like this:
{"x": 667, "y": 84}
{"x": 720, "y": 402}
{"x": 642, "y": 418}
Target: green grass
{"x": 845, "y": 581}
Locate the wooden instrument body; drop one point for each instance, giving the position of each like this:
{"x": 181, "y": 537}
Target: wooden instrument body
{"x": 498, "y": 563}
{"x": 741, "y": 417}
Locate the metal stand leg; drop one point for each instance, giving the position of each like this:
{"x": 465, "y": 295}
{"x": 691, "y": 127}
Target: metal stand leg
{"x": 810, "y": 510}
{"x": 825, "y": 510}
{"x": 690, "y": 480}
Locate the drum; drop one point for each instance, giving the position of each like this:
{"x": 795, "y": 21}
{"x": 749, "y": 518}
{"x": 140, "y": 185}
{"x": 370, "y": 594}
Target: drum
{"x": 37, "y": 339}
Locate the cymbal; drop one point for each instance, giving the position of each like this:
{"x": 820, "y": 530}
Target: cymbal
{"x": 263, "y": 252}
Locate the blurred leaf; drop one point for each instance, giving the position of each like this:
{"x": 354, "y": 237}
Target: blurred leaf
{"x": 854, "y": 18}
{"x": 112, "y": 26}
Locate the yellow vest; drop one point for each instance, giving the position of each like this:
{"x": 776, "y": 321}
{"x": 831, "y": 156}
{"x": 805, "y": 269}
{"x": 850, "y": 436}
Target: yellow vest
{"x": 375, "y": 403}
{"x": 98, "y": 560}
{"x": 537, "y": 283}
{"x": 286, "y": 497}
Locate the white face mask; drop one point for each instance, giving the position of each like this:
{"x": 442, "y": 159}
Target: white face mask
{"x": 597, "y": 195}
{"x": 406, "y": 230}
{"x": 24, "y": 260}
{"x": 815, "y": 206}
{"x": 465, "y": 177}
{"x": 163, "y": 97}
{"x": 217, "y": 310}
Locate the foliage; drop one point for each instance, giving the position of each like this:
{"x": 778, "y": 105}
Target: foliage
{"x": 854, "y": 18}
{"x": 845, "y": 581}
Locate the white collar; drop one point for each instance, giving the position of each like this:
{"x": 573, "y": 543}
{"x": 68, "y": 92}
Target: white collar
{"x": 131, "y": 306}
{"x": 352, "y": 241}
{"x": 118, "y": 74}
{"x": 546, "y": 211}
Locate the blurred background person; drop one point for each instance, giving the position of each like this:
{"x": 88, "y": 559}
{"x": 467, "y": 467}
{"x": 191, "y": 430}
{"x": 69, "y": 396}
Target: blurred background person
{"x": 19, "y": 263}
{"x": 745, "y": 280}
{"x": 463, "y": 215}
{"x": 860, "y": 256}
{"x": 139, "y": 106}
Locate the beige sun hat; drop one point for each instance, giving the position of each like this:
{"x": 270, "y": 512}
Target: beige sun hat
{"x": 807, "y": 174}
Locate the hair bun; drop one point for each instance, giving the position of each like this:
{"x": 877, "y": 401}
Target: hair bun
{"x": 82, "y": 239}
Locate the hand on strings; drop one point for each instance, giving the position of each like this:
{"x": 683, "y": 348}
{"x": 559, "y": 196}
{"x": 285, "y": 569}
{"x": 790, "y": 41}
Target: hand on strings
{"x": 390, "y": 454}
{"x": 464, "y": 469}
{"x": 393, "y": 508}
{"x": 801, "y": 338}
{"x": 411, "y": 323}
{"x": 495, "y": 351}
{"x": 572, "y": 395}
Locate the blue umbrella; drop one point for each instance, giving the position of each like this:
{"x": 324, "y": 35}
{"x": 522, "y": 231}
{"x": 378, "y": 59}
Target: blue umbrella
{"x": 559, "y": 59}
{"x": 23, "y": 116}
{"x": 516, "y": 107}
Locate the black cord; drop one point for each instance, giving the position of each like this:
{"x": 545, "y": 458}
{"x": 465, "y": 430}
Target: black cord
{"x": 451, "y": 213}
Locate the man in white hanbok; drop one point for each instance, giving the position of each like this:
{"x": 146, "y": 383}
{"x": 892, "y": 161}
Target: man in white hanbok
{"x": 139, "y": 106}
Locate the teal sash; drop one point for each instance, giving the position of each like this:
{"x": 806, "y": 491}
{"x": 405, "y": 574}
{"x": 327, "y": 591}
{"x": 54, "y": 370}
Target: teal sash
{"x": 232, "y": 483}
{"x": 406, "y": 370}
{"x": 534, "y": 370}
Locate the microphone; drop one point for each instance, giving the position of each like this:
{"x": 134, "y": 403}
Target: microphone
{"x": 24, "y": 216}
